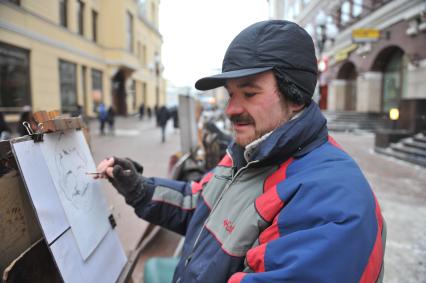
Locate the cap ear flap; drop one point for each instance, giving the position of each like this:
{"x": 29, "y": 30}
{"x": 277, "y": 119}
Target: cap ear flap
{"x": 291, "y": 89}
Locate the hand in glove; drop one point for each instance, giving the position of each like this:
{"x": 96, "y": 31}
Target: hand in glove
{"x": 124, "y": 175}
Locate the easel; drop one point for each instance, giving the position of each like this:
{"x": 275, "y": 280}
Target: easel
{"x": 29, "y": 260}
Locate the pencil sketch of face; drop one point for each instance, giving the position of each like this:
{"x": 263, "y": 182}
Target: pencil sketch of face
{"x": 71, "y": 165}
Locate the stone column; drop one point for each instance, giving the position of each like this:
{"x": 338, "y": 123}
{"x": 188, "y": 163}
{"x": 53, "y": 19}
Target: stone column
{"x": 369, "y": 92}
{"x": 416, "y": 82}
{"x": 336, "y": 95}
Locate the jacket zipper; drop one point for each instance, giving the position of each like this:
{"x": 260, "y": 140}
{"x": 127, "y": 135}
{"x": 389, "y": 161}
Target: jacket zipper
{"x": 189, "y": 257}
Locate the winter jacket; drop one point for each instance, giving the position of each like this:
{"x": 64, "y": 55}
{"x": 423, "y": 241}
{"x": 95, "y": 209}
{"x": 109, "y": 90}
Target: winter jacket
{"x": 299, "y": 211}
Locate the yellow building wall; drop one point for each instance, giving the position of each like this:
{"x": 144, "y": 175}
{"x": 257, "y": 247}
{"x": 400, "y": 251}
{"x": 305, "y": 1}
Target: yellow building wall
{"x": 35, "y": 27}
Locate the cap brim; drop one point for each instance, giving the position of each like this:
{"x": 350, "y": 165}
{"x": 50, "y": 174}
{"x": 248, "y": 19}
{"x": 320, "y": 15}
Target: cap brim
{"x": 220, "y": 79}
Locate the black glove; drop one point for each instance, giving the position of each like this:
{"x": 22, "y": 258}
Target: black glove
{"x": 128, "y": 179}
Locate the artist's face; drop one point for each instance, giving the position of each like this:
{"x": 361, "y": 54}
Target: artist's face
{"x": 256, "y": 107}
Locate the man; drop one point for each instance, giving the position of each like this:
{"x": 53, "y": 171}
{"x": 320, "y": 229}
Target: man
{"x": 286, "y": 204}
{"x": 163, "y": 116}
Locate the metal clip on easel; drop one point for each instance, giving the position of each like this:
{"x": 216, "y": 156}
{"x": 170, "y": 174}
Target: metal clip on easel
{"x": 35, "y": 136}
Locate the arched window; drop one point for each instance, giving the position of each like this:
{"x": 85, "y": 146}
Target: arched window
{"x": 394, "y": 75}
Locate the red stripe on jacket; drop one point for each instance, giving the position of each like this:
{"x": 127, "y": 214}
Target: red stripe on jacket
{"x": 270, "y": 233}
{"x": 256, "y": 258}
{"x": 372, "y": 270}
{"x": 237, "y": 277}
{"x": 333, "y": 142}
{"x": 277, "y": 176}
{"x": 269, "y": 203}
{"x": 226, "y": 161}
{"x": 196, "y": 187}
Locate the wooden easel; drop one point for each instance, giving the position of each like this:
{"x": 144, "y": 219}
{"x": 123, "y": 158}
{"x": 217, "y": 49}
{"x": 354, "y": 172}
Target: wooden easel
{"x": 51, "y": 121}
{"x": 30, "y": 260}
{"x": 24, "y": 254}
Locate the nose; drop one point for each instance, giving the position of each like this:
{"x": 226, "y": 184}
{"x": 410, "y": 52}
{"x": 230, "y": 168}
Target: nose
{"x": 234, "y": 106}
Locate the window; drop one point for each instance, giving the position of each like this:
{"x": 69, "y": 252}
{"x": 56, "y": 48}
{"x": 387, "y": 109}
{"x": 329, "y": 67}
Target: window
{"x": 129, "y": 32}
{"x": 139, "y": 51}
{"x": 95, "y": 26}
{"x": 142, "y": 8}
{"x": 14, "y": 76}
{"x": 80, "y": 17}
{"x": 393, "y": 80}
{"x": 97, "y": 88}
{"x": 296, "y": 8}
{"x": 356, "y": 8}
{"x": 63, "y": 20}
{"x": 345, "y": 15}
{"x": 153, "y": 14}
{"x": 68, "y": 85}
{"x": 144, "y": 55}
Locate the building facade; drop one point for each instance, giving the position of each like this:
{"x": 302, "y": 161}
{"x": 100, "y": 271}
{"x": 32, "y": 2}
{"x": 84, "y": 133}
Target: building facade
{"x": 372, "y": 54}
{"x": 56, "y": 54}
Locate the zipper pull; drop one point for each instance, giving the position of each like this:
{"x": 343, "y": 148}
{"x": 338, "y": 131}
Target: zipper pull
{"x": 188, "y": 259}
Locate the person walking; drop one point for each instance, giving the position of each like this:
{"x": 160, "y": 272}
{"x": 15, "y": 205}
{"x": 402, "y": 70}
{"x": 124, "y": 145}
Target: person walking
{"x": 286, "y": 203}
{"x": 141, "y": 111}
{"x": 111, "y": 119}
{"x": 102, "y": 116}
{"x": 163, "y": 116}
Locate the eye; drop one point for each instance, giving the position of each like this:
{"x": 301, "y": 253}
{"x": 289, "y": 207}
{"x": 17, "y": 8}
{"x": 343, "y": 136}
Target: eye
{"x": 249, "y": 94}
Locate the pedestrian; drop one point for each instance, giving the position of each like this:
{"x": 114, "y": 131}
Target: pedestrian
{"x": 141, "y": 111}
{"x": 111, "y": 119}
{"x": 5, "y": 132}
{"x": 156, "y": 108}
{"x": 163, "y": 116}
{"x": 149, "y": 112}
{"x": 102, "y": 116}
{"x": 174, "y": 115}
{"x": 286, "y": 203}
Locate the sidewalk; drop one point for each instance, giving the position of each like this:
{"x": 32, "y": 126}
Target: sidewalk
{"x": 400, "y": 188}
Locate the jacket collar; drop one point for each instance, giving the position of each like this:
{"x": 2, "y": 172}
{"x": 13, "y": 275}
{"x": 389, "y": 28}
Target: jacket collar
{"x": 295, "y": 138}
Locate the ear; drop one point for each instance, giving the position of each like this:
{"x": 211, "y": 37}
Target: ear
{"x": 295, "y": 108}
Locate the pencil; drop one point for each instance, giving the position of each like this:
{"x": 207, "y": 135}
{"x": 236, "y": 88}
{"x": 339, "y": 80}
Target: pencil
{"x": 126, "y": 172}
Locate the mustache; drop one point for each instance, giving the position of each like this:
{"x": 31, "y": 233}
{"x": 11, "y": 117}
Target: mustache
{"x": 241, "y": 118}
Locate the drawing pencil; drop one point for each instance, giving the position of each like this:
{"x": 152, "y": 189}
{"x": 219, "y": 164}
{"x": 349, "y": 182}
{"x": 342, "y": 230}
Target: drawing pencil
{"x": 125, "y": 172}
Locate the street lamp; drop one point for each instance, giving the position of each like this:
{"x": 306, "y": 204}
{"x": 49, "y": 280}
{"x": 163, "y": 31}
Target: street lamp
{"x": 394, "y": 116}
{"x": 320, "y": 22}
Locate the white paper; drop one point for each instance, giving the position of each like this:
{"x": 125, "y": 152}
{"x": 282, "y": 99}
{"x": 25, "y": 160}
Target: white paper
{"x": 68, "y": 158}
{"x": 104, "y": 265}
{"x": 41, "y": 189}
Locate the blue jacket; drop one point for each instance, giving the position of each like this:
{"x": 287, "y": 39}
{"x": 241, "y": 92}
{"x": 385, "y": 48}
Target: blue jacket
{"x": 299, "y": 211}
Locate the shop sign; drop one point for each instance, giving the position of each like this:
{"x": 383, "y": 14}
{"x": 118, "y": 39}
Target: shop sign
{"x": 343, "y": 53}
{"x": 365, "y": 35}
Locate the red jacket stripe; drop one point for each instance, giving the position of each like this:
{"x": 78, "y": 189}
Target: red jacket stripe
{"x": 333, "y": 142}
{"x": 256, "y": 258}
{"x": 270, "y": 233}
{"x": 372, "y": 270}
{"x": 269, "y": 204}
{"x": 277, "y": 176}
{"x": 226, "y": 161}
{"x": 196, "y": 187}
{"x": 237, "y": 277}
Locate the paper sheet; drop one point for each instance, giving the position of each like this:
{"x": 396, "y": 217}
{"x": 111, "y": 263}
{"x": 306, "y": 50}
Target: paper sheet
{"x": 104, "y": 265}
{"x": 41, "y": 189}
{"x": 68, "y": 158}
